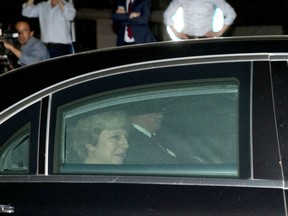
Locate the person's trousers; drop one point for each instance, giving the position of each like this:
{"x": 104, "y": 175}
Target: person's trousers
{"x": 57, "y": 49}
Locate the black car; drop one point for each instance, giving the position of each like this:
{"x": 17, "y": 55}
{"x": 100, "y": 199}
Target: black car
{"x": 224, "y": 103}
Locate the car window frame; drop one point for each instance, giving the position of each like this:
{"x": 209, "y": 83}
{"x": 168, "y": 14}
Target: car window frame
{"x": 28, "y": 117}
{"x": 199, "y": 71}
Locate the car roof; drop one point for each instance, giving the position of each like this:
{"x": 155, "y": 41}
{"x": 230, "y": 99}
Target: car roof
{"x": 22, "y": 82}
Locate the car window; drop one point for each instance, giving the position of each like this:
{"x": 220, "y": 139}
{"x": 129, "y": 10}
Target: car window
{"x": 14, "y": 154}
{"x": 194, "y": 127}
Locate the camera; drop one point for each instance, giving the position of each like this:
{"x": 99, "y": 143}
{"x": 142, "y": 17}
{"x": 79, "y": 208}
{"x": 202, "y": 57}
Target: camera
{"x": 8, "y": 35}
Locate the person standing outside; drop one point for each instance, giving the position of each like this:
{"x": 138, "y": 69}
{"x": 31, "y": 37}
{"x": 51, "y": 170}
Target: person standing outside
{"x": 32, "y": 50}
{"x": 132, "y": 17}
{"x": 55, "y": 17}
{"x": 198, "y": 17}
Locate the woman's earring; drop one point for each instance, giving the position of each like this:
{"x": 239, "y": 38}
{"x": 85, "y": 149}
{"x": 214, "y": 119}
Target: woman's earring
{"x": 92, "y": 148}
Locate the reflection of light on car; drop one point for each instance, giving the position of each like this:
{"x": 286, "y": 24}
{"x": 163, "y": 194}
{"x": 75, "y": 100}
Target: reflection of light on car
{"x": 218, "y": 21}
{"x": 178, "y": 24}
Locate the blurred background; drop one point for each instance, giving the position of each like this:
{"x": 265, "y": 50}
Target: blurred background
{"x": 93, "y": 27}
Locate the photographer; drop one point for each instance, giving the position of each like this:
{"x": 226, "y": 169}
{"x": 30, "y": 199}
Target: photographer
{"x": 31, "y": 49}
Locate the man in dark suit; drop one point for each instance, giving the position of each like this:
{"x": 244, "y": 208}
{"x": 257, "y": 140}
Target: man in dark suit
{"x": 144, "y": 148}
{"x": 133, "y": 22}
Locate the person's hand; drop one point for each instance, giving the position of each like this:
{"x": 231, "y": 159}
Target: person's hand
{"x": 212, "y": 34}
{"x": 134, "y": 15}
{"x": 7, "y": 45}
{"x": 219, "y": 33}
{"x": 60, "y": 2}
{"x": 120, "y": 10}
{"x": 30, "y": 2}
{"x": 11, "y": 48}
{"x": 180, "y": 35}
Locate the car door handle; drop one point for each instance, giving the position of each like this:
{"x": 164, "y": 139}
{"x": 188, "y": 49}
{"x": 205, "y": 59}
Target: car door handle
{"x": 6, "y": 209}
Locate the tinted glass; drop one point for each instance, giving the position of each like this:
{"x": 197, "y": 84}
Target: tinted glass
{"x": 14, "y": 154}
{"x": 192, "y": 127}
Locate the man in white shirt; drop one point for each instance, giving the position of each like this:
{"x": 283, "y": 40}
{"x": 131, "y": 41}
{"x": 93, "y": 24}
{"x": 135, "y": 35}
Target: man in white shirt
{"x": 55, "y": 17}
{"x": 198, "y": 17}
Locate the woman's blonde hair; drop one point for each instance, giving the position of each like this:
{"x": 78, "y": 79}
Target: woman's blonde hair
{"x": 88, "y": 129}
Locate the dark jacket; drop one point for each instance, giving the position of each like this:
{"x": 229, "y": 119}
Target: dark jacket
{"x": 144, "y": 150}
{"x": 140, "y": 25}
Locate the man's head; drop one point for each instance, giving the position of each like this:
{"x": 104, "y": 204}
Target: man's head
{"x": 24, "y": 31}
{"x": 148, "y": 114}
{"x": 150, "y": 121}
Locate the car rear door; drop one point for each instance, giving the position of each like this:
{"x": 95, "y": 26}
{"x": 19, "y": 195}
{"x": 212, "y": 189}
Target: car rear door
{"x": 225, "y": 107}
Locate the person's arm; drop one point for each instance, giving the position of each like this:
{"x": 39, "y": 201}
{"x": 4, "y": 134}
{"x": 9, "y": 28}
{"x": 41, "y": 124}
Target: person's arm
{"x": 119, "y": 14}
{"x": 168, "y": 18}
{"x": 134, "y": 15}
{"x": 219, "y": 33}
{"x": 68, "y": 10}
{"x": 29, "y": 2}
{"x": 13, "y": 49}
{"x": 179, "y": 35}
{"x": 141, "y": 13}
{"x": 120, "y": 10}
{"x": 29, "y": 9}
{"x": 61, "y": 4}
{"x": 229, "y": 17}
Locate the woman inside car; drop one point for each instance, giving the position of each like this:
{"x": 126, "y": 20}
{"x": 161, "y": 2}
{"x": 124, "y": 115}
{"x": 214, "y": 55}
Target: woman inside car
{"x": 102, "y": 138}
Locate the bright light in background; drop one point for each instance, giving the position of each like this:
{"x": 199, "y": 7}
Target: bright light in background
{"x": 218, "y": 22}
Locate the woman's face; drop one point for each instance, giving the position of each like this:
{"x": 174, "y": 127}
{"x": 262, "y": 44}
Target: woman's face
{"x": 112, "y": 146}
